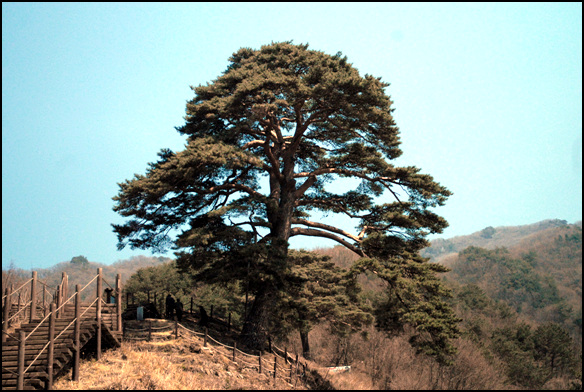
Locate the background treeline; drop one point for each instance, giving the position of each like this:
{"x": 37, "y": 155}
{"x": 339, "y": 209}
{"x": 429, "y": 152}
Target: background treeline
{"x": 520, "y": 306}
{"x": 521, "y": 311}
{"x": 80, "y": 271}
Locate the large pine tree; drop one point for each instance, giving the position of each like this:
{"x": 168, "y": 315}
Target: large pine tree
{"x": 298, "y": 120}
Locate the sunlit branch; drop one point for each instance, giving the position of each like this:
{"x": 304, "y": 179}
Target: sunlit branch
{"x": 324, "y": 234}
{"x": 325, "y": 227}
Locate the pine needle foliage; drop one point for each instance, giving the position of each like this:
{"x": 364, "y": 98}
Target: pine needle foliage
{"x": 266, "y": 142}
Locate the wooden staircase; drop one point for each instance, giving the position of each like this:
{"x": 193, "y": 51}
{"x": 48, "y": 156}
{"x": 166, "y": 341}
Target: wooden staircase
{"x": 64, "y": 347}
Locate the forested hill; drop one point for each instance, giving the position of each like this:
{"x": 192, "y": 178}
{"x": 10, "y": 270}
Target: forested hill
{"x": 80, "y": 271}
{"x": 442, "y": 250}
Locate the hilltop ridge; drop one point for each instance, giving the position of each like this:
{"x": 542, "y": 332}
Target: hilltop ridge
{"x": 489, "y": 238}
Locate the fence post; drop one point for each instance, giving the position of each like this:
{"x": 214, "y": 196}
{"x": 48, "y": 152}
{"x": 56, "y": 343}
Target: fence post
{"x": 21, "y": 349}
{"x": 65, "y": 291}
{"x": 149, "y": 330}
{"x": 77, "y": 344}
{"x": 119, "y": 300}
{"x": 205, "y": 340}
{"x": 20, "y": 305}
{"x": 98, "y": 312}
{"x": 51, "y": 353}
{"x": 275, "y": 367}
{"x": 260, "y": 360}
{"x": 175, "y": 328}
{"x": 59, "y": 302}
{"x": 286, "y": 354}
{"x": 6, "y": 315}
{"x": 44, "y": 302}
{"x": 33, "y": 286}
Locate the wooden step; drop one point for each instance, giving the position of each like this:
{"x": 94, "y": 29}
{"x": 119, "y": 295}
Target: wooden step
{"x": 40, "y": 339}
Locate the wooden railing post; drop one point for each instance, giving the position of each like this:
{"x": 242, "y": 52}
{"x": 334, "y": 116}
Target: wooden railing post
{"x": 21, "y": 352}
{"x": 149, "y": 330}
{"x": 77, "y": 334}
{"x": 205, "y": 340}
{"x": 59, "y": 302}
{"x": 275, "y": 367}
{"x": 65, "y": 288}
{"x": 98, "y": 312}
{"x": 20, "y": 305}
{"x": 33, "y": 289}
{"x": 175, "y": 327}
{"x": 44, "y": 302}
{"x": 260, "y": 361}
{"x": 119, "y": 300}
{"x": 51, "y": 352}
{"x": 6, "y": 315}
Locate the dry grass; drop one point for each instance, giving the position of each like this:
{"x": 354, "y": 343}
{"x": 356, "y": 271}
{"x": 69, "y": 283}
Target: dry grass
{"x": 169, "y": 364}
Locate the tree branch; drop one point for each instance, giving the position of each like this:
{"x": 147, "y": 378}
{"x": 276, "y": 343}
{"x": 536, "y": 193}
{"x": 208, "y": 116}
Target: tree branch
{"x": 253, "y": 143}
{"x": 325, "y": 227}
{"x": 238, "y": 187}
{"x": 319, "y": 233}
{"x": 334, "y": 170}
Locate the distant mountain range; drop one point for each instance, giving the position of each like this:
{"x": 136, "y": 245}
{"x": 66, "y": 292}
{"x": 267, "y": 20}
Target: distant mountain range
{"x": 443, "y": 250}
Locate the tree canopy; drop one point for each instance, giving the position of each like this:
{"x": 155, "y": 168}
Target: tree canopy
{"x": 267, "y": 143}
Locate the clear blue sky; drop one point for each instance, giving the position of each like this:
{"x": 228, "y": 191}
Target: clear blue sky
{"x": 488, "y": 99}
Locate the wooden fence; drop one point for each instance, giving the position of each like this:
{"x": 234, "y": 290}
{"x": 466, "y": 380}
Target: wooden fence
{"x": 55, "y": 329}
{"x": 284, "y": 365}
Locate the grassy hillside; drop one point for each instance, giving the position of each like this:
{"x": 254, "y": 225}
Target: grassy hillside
{"x": 167, "y": 363}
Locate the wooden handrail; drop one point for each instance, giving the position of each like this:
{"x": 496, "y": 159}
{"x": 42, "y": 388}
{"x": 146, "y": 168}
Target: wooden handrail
{"x": 52, "y": 314}
{"x": 55, "y": 338}
{"x": 21, "y": 286}
{"x": 19, "y": 310}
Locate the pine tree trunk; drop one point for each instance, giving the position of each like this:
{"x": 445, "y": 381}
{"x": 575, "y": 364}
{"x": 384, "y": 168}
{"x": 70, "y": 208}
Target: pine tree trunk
{"x": 255, "y": 331}
{"x": 305, "y": 345}
{"x": 256, "y": 327}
